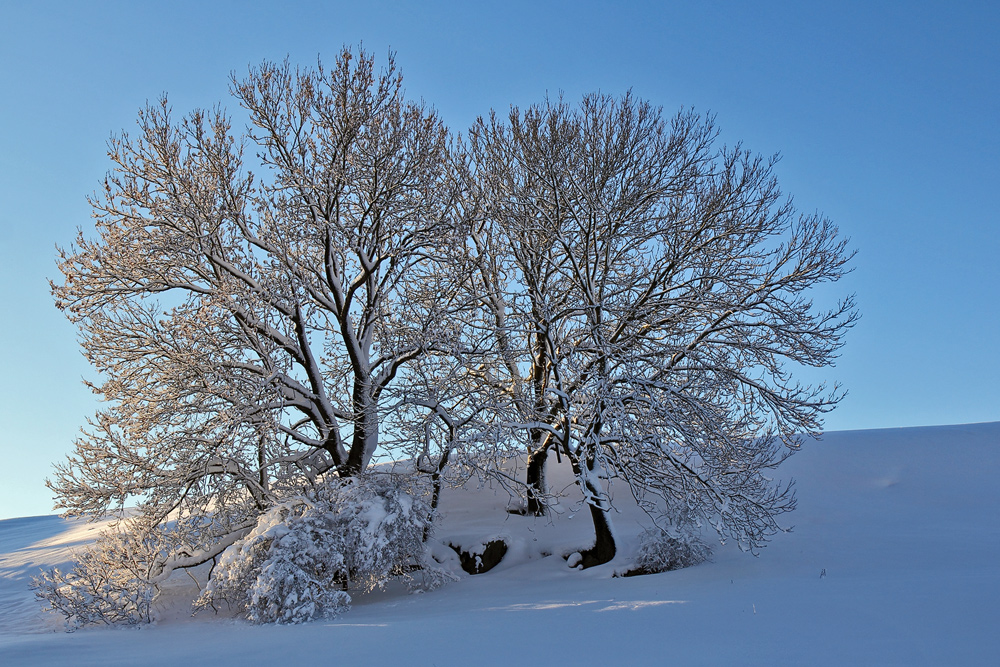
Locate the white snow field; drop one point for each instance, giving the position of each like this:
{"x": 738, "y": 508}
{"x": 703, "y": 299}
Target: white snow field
{"x": 904, "y": 522}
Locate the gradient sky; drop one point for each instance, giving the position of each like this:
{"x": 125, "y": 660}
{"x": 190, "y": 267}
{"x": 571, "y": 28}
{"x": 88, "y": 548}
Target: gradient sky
{"x": 885, "y": 114}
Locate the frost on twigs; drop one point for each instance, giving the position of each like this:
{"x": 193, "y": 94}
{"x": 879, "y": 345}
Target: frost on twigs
{"x": 661, "y": 551}
{"x": 307, "y": 554}
{"x": 109, "y": 583}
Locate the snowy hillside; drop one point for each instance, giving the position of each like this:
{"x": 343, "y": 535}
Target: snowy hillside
{"x": 904, "y": 523}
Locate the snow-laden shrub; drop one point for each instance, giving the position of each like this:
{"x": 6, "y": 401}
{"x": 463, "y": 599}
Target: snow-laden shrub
{"x": 661, "y": 550}
{"x": 305, "y": 554}
{"x": 109, "y": 582}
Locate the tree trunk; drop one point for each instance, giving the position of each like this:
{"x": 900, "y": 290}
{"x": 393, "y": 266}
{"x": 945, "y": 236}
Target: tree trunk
{"x": 600, "y": 505}
{"x": 536, "y": 480}
{"x": 604, "y": 544}
{"x": 436, "y": 484}
{"x": 365, "y": 440}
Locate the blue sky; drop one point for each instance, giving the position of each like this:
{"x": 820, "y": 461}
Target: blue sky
{"x": 885, "y": 114}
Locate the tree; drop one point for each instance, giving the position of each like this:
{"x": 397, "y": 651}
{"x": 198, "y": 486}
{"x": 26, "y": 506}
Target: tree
{"x": 248, "y": 325}
{"x": 600, "y": 282}
{"x": 649, "y": 296}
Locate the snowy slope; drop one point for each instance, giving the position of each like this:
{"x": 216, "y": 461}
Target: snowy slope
{"x": 905, "y": 522}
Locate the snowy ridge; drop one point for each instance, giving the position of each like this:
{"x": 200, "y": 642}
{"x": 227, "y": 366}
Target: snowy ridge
{"x": 893, "y": 560}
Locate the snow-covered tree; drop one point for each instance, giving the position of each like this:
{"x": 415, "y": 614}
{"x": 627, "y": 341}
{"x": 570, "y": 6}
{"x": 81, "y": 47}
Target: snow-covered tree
{"x": 599, "y": 282}
{"x": 650, "y": 302}
{"x": 248, "y": 315}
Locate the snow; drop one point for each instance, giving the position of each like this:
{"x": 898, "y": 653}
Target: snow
{"x": 904, "y": 522}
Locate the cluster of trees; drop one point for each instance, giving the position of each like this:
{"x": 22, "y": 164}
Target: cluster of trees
{"x": 269, "y": 311}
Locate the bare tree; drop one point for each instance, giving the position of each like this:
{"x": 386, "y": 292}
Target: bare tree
{"x": 247, "y": 325}
{"x": 599, "y": 282}
{"x": 649, "y": 299}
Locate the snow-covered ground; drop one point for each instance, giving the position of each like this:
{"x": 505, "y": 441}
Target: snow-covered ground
{"x": 904, "y": 522}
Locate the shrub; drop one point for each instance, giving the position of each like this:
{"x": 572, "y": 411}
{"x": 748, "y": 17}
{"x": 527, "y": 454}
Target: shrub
{"x": 661, "y": 551}
{"x": 305, "y": 555}
{"x": 109, "y": 583}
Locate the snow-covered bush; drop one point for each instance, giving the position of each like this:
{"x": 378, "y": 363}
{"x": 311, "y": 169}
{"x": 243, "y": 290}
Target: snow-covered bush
{"x": 109, "y": 583}
{"x": 305, "y": 554}
{"x": 661, "y": 550}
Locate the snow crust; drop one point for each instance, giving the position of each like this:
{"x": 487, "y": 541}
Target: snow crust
{"x": 904, "y": 523}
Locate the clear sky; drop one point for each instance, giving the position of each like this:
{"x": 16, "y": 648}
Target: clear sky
{"x": 885, "y": 114}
